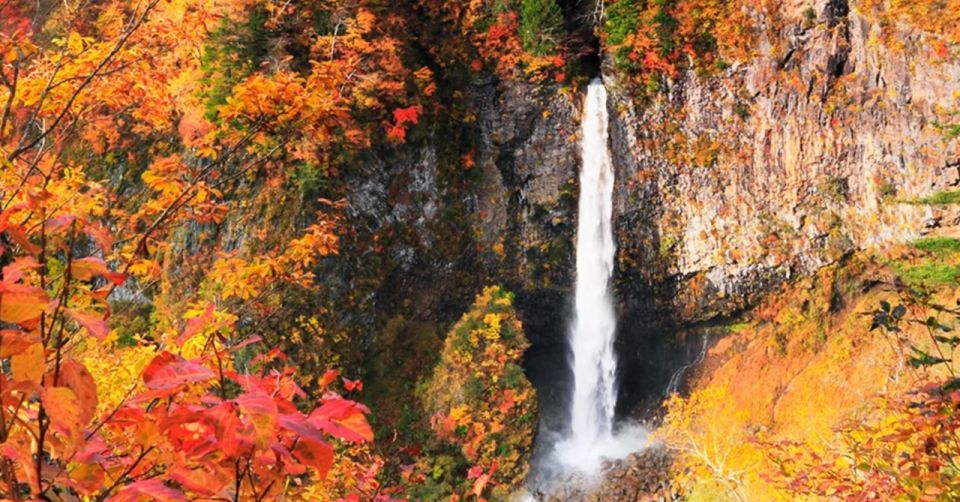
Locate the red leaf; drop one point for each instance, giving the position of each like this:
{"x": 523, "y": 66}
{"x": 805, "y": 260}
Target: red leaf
{"x": 148, "y": 490}
{"x": 296, "y": 423}
{"x": 60, "y": 223}
{"x": 409, "y": 115}
{"x": 14, "y": 271}
{"x": 397, "y": 134}
{"x": 227, "y": 424}
{"x": 100, "y": 235}
{"x": 17, "y": 235}
{"x": 352, "y": 385}
{"x": 342, "y": 419}
{"x": 168, "y": 372}
{"x": 95, "y": 325}
{"x": 261, "y": 410}
{"x": 204, "y": 479}
{"x": 316, "y": 454}
{"x": 328, "y": 377}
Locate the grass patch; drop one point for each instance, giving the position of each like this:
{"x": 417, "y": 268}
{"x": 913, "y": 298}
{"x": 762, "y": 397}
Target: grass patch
{"x": 938, "y": 245}
{"x": 930, "y": 274}
{"x": 941, "y": 198}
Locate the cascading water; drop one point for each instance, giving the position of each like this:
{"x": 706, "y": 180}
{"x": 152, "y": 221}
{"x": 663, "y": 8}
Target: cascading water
{"x": 591, "y": 437}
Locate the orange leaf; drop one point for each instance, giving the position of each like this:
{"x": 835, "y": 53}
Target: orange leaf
{"x": 87, "y": 478}
{"x": 13, "y": 342}
{"x": 204, "y": 478}
{"x": 75, "y": 376}
{"x": 328, "y": 377}
{"x": 29, "y": 365}
{"x": 64, "y": 410}
{"x": 24, "y": 305}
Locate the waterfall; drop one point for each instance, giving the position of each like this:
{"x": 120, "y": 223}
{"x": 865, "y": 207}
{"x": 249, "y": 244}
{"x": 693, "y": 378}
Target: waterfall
{"x": 593, "y": 360}
{"x": 591, "y": 336}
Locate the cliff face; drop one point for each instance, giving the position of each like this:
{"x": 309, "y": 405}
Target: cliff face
{"x": 484, "y": 200}
{"x": 773, "y": 168}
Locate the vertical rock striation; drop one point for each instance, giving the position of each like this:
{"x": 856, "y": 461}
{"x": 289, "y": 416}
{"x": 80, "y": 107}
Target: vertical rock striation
{"x": 775, "y": 167}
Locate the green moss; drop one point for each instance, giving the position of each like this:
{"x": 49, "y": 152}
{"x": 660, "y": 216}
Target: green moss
{"x": 941, "y": 198}
{"x": 938, "y": 245}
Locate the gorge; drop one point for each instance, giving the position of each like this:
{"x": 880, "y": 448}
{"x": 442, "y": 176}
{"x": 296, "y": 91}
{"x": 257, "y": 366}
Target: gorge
{"x": 624, "y": 250}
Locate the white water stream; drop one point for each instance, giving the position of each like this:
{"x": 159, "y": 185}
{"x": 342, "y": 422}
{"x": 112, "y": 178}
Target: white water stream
{"x": 594, "y": 362}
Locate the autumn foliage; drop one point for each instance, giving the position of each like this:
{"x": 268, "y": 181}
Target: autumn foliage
{"x": 656, "y": 38}
{"x": 841, "y": 387}
{"x": 117, "y": 132}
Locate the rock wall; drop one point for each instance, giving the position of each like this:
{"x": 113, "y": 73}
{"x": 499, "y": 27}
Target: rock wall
{"x": 781, "y": 165}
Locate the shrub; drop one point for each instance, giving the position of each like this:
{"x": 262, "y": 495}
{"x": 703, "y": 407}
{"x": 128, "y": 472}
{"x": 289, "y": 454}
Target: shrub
{"x": 479, "y": 399}
{"x": 541, "y": 21}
